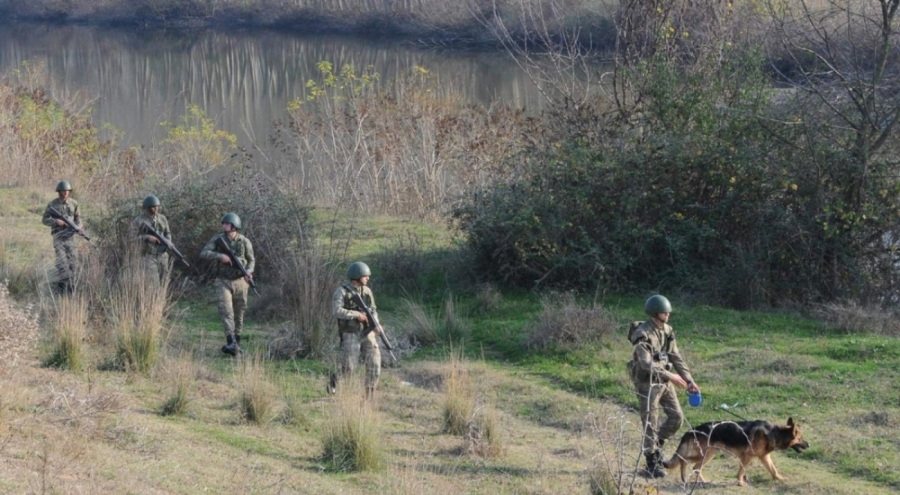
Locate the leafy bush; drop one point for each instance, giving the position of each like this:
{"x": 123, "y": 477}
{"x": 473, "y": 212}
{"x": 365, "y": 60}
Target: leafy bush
{"x": 695, "y": 198}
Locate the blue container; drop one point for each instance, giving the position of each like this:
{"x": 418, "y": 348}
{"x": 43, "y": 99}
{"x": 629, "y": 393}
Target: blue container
{"x": 695, "y": 399}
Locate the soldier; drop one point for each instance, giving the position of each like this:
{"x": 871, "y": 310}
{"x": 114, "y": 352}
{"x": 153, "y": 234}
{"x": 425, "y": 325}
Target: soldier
{"x": 63, "y": 245}
{"x": 231, "y": 285}
{"x": 154, "y": 255}
{"x": 352, "y": 324}
{"x": 656, "y": 367}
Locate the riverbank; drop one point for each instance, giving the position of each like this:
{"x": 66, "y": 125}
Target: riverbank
{"x": 472, "y": 24}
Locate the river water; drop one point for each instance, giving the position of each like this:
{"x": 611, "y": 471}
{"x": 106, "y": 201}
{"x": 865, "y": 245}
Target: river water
{"x": 242, "y": 79}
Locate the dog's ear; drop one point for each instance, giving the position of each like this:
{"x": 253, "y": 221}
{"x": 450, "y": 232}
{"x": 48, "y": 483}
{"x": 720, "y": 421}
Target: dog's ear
{"x": 790, "y": 421}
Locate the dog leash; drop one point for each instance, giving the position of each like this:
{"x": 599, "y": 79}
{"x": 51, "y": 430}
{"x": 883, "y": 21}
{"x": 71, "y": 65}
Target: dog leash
{"x": 736, "y": 415}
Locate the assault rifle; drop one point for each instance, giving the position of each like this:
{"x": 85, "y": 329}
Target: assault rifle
{"x": 236, "y": 262}
{"x": 373, "y": 324}
{"x": 69, "y": 222}
{"x": 169, "y": 246}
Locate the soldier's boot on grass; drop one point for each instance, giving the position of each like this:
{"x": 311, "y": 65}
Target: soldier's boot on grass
{"x": 654, "y": 465}
{"x": 230, "y": 346}
{"x": 331, "y": 386}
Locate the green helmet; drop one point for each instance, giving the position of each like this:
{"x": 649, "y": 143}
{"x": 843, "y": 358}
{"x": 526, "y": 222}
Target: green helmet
{"x": 358, "y": 270}
{"x": 150, "y": 201}
{"x": 63, "y": 186}
{"x": 233, "y": 219}
{"x": 657, "y": 304}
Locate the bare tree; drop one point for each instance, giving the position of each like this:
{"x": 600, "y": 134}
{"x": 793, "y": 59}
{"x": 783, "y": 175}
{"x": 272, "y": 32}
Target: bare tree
{"x": 840, "y": 61}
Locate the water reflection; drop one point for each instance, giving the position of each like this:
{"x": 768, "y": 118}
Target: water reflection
{"x": 242, "y": 79}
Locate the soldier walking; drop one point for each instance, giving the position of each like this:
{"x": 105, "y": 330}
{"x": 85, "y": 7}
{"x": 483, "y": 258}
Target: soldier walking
{"x": 356, "y": 343}
{"x": 154, "y": 254}
{"x": 655, "y": 369}
{"x": 231, "y": 284}
{"x": 63, "y": 244}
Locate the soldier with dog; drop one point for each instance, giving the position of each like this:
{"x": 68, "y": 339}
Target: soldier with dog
{"x": 656, "y": 368}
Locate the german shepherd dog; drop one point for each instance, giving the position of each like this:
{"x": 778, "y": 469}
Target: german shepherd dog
{"x": 744, "y": 439}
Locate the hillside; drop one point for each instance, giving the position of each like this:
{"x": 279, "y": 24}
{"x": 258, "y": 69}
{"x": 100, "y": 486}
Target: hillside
{"x": 562, "y": 416}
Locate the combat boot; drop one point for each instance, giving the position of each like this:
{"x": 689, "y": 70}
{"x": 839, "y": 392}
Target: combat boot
{"x": 654, "y": 465}
{"x": 230, "y": 346}
{"x": 331, "y": 386}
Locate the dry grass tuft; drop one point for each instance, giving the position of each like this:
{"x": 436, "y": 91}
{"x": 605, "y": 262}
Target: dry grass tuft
{"x": 855, "y": 318}
{"x": 449, "y": 327}
{"x": 484, "y": 437}
{"x": 455, "y": 326}
{"x": 258, "y": 398}
{"x": 566, "y": 324}
{"x": 138, "y": 304}
{"x": 420, "y": 325}
{"x": 310, "y": 277}
{"x": 459, "y": 396}
{"x": 68, "y": 326}
{"x": 488, "y": 298}
{"x": 353, "y": 439}
{"x": 608, "y": 471}
{"x": 80, "y": 408}
{"x": 181, "y": 374}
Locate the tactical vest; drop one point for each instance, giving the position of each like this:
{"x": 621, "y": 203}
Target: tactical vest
{"x": 350, "y": 326}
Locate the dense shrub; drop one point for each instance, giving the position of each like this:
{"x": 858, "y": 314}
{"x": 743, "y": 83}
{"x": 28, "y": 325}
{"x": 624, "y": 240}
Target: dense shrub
{"x": 692, "y": 193}
{"x": 276, "y": 223}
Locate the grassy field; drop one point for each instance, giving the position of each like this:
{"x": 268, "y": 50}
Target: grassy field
{"x": 564, "y": 417}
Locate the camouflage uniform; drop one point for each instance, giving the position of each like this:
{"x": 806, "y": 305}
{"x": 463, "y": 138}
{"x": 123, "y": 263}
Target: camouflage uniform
{"x": 655, "y": 356}
{"x": 353, "y": 336}
{"x": 231, "y": 287}
{"x": 63, "y": 242}
{"x": 154, "y": 256}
